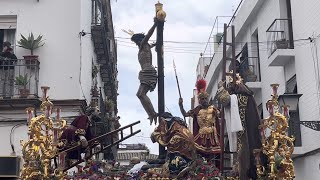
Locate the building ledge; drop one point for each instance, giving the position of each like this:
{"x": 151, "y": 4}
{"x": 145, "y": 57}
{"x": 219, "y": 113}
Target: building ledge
{"x": 281, "y": 57}
{"x": 16, "y": 103}
{"x": 254, "y": 85}
{"x": 296, "y": 155}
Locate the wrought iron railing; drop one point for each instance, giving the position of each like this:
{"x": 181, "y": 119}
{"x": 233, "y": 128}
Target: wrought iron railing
{"x": 279, "y": 35}
{"x": 250, "y": 69}
{"x": 19, "y": 78}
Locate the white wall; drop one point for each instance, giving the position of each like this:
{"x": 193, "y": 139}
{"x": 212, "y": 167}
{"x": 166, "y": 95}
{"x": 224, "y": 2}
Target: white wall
{"x": 20, "y": 133}
{"x": 307, "y": 167}
{"x": 59, "y": 23}
{"x": 87, "y": 50}
{"x": 306, "y": 23}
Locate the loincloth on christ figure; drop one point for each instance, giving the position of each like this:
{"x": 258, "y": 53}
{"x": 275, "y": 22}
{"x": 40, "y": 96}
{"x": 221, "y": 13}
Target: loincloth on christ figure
{"x": 148, "y": 76}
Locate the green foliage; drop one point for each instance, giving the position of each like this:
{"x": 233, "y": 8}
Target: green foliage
{"x": 95, "y": 71}
{"x": 22, "y": 80}
{"x": 31, "y": 42}
{"x": 109, "y": 105}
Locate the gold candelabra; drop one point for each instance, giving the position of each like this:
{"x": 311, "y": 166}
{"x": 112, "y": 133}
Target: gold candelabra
{"x": 41, "y": 146}
{"x": 278, "y": 147}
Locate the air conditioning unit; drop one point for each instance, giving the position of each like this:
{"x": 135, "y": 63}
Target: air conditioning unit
{"x": 9, "y": 167}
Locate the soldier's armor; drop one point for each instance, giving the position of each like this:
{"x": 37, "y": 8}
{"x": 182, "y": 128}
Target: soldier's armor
{"x": 206, "y": 139}
{"x": 206, "y": 120}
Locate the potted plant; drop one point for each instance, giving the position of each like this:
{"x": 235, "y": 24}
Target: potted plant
{"x": 281, "y": 44}
{"x": 109, "y": 104}
{"x": 95, "y": 91}
{"x": 31, "y": 43}
{"x": 250, "y": 76}
{"x": 95, "y": 71}
{"x": 21, "y": 82}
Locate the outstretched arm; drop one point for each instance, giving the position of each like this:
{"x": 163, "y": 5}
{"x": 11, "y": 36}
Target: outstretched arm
{"x": 150, "y": 32}
{"x": 184, "y": 113}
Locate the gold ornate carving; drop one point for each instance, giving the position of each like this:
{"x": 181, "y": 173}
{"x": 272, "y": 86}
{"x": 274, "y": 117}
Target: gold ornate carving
{"x": 277, "y": 145}
{"x": 42, "y": 144}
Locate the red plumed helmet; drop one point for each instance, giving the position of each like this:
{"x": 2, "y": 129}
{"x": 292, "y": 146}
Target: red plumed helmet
{"x": 201, "y": 85}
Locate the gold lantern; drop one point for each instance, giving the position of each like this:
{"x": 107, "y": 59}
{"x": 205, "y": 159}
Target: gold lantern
{"x": 160, "y": 14}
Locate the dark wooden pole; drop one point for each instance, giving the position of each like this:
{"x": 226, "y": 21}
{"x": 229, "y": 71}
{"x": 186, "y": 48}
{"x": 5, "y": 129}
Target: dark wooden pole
{"x": 224, "y": 63}
{"x": 161, "y": 99}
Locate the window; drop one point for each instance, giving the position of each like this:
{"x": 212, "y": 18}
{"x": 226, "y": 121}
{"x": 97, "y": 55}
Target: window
{"x": 291, "y": 85}
{"x": 8, "y": 30}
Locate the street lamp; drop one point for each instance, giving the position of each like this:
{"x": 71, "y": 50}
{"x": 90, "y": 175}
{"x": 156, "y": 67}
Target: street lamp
{"x": 290, "y": 100}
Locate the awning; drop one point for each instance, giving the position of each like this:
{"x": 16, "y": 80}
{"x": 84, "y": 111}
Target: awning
{"x": 8, "y": 22}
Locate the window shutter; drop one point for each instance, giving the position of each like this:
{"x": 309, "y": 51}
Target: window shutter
{"x": 8, "y": 22}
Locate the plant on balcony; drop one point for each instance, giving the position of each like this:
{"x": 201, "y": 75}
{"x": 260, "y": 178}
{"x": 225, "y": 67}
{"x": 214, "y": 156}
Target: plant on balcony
{"x": 22, "y": 82}
{"x": 250, "y": 76}
{"x": 109, "y": 104}
{"x": 282, "y": 44}
{"x": 95, "y": 91}
{"x": 31, "y": 43}
{"x": 95, "y": 71}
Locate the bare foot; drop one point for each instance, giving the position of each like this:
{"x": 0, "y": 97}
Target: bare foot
{"x": 153, "y": 118}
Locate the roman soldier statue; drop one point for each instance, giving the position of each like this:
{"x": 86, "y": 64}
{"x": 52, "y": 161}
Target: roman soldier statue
{"x": 205, "y": 123}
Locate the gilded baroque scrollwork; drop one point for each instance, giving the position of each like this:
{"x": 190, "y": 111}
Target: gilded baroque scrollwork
{"x": 42, "y": 143}
{"x": 277, "y": 146}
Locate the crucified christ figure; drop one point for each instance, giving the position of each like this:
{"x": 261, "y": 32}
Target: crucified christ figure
{"x": 148, "y": 74}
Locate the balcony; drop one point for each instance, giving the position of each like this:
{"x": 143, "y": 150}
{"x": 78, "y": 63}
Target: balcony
{"x": 250, "y": 72}
{"x": 280, "y": 44}
{"x": 18, "y": 81}
{"x": 102, "y": 36}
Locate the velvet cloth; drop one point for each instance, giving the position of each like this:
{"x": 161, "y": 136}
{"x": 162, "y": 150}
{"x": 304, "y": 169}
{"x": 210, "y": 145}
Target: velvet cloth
{"x": 250, "y": 138}
{"x": 176, "y": 137}
{"x": 174, "y": 134}
{"x": 71, "y": 135}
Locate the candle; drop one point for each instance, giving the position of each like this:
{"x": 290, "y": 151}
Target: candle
{"x": 62, "y": 157}
{"x": 48, "y": 111}
{"x": 45, "y": 92}
{"x": 285, "y": 111}
{"x": 270, "y": 106}
{"x": 58, "y": 113}
{"x": 55, "y": 136}
{"x": 30, "y": 114}
{"x": 274, "y": 89}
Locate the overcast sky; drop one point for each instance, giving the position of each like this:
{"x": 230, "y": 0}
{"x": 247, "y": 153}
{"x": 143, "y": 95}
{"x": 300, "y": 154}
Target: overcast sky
{"x": 187, "y": 21}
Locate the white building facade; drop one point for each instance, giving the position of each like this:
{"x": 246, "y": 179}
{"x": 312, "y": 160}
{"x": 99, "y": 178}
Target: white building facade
{"x": 78, "y": 36}
{"x": 273, "y": 46}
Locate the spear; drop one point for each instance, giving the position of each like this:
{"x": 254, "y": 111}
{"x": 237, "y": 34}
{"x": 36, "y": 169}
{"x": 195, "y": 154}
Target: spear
{"x": 175, "y": 72}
